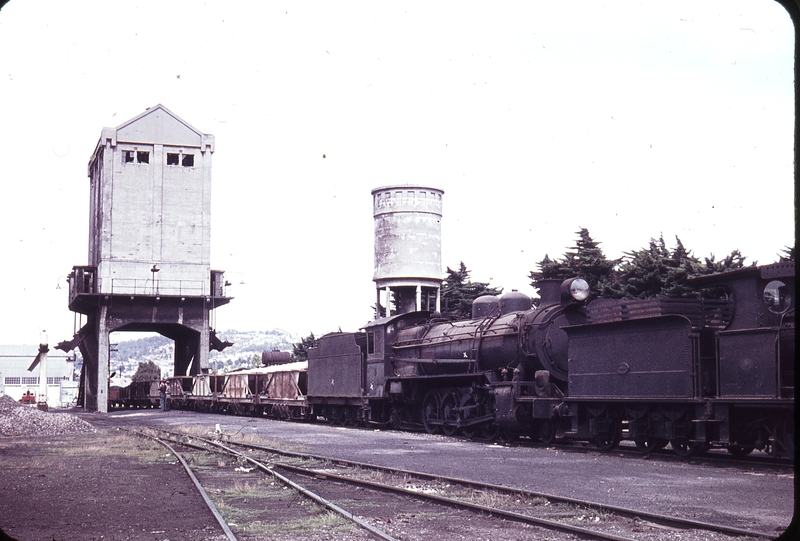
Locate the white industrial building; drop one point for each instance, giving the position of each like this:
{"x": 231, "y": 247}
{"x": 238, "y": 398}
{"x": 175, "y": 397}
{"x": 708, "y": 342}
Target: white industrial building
{"x": 16, "y": 379}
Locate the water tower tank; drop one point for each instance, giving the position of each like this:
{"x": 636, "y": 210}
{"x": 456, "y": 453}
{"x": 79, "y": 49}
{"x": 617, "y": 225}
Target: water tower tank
{"x": 408, "y": 246}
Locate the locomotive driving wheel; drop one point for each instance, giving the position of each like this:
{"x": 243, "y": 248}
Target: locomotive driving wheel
{"x": 469, "y": 409}
{"x": 430, "y": 411}
{"x": 396, "y": 418}
{"x": 449, "y": 415}
{"x": 506, "y": 436}
{"x": 490, "y": 432}
{"x": 547, "y": 431}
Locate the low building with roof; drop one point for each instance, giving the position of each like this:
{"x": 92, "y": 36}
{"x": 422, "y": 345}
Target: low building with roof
{"x": 16, "y": 380}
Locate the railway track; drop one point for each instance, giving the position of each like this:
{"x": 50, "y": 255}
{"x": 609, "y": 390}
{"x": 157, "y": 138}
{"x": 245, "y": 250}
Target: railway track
{"x": 627, "y": 449}
{"x": 422, "y": 503}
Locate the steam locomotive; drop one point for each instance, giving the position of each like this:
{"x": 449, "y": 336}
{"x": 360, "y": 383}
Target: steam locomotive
{"x": 715, "y": 371}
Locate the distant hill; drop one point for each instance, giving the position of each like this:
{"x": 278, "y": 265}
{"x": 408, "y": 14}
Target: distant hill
{"x": 126, "y": 356}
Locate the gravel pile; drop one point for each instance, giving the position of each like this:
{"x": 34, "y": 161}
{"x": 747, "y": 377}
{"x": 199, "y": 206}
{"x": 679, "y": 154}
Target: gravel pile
{"x": 20, "y": 420}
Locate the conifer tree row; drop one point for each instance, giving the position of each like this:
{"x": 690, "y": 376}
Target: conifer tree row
{"x": 653, "y": 271}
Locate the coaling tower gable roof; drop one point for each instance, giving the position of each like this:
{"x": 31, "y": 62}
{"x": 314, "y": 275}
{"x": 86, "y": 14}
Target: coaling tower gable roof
{"x": 159, "y": 125}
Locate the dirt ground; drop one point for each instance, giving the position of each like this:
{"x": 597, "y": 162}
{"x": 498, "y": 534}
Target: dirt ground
{"x": 113, "y": 486}
{"x": 110, "y": 485}
{"x": 89, "y": 486}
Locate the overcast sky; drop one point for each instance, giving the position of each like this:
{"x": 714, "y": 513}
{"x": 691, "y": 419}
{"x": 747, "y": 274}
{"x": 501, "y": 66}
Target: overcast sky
{"x": 632, "y": 119}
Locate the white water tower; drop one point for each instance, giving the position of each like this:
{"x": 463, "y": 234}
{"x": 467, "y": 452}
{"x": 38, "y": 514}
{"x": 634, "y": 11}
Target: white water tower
{"x": 408, "y": 246}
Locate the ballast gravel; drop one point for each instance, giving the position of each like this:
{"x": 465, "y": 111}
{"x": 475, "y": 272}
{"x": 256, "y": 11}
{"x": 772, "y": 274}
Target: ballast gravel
{"x": 22, "y": 420}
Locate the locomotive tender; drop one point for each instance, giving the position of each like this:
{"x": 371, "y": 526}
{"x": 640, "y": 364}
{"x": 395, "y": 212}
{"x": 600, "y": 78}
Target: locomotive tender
{"x": 694, "y": 373}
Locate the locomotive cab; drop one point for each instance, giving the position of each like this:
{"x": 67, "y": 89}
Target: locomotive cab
{"x": 715, "y": 371}
{"x": 755, "y": 351}
{"x": 381, "y": 336}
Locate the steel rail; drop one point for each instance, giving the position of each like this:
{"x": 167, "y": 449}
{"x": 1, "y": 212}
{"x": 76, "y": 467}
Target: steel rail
{"x": 224, "y": 525}
{"x": 309, "y": 494}
{"x": 715, "y": 456}
{"x": 520, "y": 517}
{"x": 666, "y": 520}
{"x": 550, "y": 524}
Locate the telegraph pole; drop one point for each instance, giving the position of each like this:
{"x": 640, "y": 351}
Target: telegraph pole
{"x": 41, "y": 402}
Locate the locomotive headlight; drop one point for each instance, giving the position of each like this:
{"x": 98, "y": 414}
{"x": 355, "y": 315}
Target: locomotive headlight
{"x": 579, "y": 289}
{"x": 574, "y": 289}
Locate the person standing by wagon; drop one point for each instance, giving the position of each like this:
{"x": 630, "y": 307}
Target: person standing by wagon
{"x": 162, "y": 389}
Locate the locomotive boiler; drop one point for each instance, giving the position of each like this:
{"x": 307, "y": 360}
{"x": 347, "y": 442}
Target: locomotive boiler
{"x": 503, "y": 334}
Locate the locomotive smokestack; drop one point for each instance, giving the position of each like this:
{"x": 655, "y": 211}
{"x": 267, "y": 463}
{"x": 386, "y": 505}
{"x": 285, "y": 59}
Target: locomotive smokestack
{"x": 549, "y": 290}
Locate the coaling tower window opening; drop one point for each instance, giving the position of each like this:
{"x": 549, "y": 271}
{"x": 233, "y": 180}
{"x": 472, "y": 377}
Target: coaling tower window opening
{"x": 185, "y": 160}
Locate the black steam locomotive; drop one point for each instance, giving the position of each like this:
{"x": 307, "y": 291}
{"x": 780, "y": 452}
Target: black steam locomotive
{"x": 715, "y": 371}
{"x": 692, "y": 373}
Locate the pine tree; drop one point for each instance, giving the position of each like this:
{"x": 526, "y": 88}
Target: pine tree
{"x": 590, "y": 263}
{"x": 657, "y": 271}
{"x": 585, "y": 259}
{"x": 680, "y": 266}
{"x": 641, "y": 271}
{"x": 300, "y": 349}
{"x": 459, "y": 292}
{"x": 550, "y": 268}
{"x": 733, "y": 261}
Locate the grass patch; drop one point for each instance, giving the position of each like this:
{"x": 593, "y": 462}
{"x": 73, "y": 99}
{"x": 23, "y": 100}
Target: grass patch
{"x": 327, "y": 523}
{"x": 230, "y": 434}
{"x": 113, "y": 444}
{"x": 265, "y": 507}
{"x": 588, "y": 516}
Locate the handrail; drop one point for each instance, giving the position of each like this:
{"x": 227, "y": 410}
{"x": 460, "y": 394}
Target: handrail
{"x": 85, "y": 281}
{"x": 141, "y": 286}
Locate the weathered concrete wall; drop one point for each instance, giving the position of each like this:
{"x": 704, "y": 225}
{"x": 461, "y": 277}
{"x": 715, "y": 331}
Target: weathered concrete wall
{"x": 149, "y": 245}
{"x": 151, "y": 205}
{"x": 408, "y": 233}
